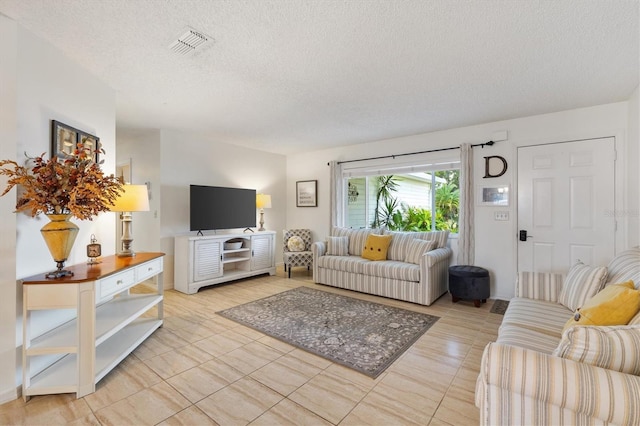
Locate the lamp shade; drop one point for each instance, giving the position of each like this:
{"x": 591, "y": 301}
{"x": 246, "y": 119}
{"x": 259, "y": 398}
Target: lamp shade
{"x": 263, "y": 201}
{"x": 135, "y": 198}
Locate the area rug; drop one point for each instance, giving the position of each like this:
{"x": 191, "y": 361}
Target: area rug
{"x": 364, "y": 336}
{"x": 499, "y": 306}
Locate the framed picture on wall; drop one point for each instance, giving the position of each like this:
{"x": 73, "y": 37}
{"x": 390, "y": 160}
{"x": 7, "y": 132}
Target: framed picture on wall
{"x": 493, "y": 195}
{"x": 306, "y": 193}
{"x": 65, "y": 139}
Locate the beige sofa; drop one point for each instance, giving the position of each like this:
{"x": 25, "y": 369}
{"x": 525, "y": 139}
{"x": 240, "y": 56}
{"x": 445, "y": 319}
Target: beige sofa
{"x": 397, "y": 278}
{"x": 535, "y": 374}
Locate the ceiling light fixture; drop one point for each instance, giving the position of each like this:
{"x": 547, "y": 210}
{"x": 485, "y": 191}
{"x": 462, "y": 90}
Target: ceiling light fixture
{"x": 188, "y": 42}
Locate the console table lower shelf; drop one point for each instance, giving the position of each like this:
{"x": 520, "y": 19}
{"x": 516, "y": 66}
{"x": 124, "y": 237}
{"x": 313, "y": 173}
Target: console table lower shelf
{"x": 108, "y": 326}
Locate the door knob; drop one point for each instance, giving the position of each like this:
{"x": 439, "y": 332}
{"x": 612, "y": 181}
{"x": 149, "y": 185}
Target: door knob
{"x": 524, "y": 236}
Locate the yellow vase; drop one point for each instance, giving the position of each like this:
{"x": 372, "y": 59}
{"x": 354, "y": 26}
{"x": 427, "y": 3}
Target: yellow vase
{"x": 59, "y": 234}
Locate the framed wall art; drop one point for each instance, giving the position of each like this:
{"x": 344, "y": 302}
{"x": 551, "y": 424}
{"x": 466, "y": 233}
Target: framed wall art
{"x": 306, "y": 193}
{"x": 65, "y": 138}
{"x": 493, "y": 195}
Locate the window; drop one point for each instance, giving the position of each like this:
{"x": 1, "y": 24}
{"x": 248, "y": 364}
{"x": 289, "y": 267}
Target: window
{"x": 405, "y": 201}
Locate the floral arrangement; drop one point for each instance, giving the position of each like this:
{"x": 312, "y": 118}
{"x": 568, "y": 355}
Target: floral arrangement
{"x": 73, "y": 184}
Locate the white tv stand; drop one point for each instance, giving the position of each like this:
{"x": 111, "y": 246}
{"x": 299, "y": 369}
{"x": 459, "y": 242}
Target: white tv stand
{"x": 202, "y": 261}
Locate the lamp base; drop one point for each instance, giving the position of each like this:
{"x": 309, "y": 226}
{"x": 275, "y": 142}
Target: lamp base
{"x": 261, "y": 221}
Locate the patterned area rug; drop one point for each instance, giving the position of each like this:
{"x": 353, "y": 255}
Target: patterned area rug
{"x": 364, "y": 336}
{"x": 499, "y": 306}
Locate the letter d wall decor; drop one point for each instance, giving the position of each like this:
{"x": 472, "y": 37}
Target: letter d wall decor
{"x": 487, "y": 166}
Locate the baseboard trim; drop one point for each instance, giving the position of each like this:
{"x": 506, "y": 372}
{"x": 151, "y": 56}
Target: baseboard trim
{"x": 10, "y": 395}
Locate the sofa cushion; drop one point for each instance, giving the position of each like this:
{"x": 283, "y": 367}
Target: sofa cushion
{"x": 376, "y": 246}
{"x": 342, "y": 263}
{"x": 295, "y": 243}
{"x": 338, "y": 246}
{"x": 392, "y": 269}
{"x": 417, "y": 248}
{"x": 440, "y": 237}
{"x": 582, "y": 283}
{"x": 544, "y": 317}
{"x": 614, "y": 347}
{"x": 357, "y": 238}
{"x": 625, "y": 266}
{"x": 614, "y": 305}
{"x": 399, "y": 244}
{"x": 516, "y": 335}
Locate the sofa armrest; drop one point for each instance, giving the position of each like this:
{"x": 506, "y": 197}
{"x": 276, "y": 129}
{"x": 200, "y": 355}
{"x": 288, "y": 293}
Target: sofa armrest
{"x": 434, "y": 273}
{"x": 518, "y": 385}
{"x": 318, "y": 248}
{"x": 544, "y": 286}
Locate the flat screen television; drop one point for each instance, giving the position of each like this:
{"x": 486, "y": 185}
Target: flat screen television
{"x": 215, "y": 207}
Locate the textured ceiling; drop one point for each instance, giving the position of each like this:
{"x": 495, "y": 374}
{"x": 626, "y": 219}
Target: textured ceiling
{"x": 294, "y": 75}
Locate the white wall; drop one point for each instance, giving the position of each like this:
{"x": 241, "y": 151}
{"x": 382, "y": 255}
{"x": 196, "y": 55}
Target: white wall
{"x": 8, "y": 149}
{"x": 43, "y": 85}
{"x": 631, "y": 211}
{"x": 142, "y": 150}
{"x": 496, "y": 242}
{"x": 195, "y": 159}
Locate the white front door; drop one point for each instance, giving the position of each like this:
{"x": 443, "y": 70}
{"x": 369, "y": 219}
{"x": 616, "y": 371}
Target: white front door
{"x": 565, "y": 200}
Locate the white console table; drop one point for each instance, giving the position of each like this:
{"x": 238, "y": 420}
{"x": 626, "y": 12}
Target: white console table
{"x": 108, "y": 325}
{"x": 203, "y": 260}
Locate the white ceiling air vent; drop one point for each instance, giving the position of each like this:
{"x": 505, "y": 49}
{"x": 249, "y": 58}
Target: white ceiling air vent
{"x": 188, "y": 42}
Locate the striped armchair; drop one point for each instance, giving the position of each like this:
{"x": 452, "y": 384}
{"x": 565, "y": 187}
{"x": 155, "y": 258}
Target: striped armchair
{"x": 538, "y": 373}
{"x": 302, "y": 255}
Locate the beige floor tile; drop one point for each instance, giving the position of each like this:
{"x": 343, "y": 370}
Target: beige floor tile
{"x": 131, "y": 376}
{"x": 223, "y": 343}
{"x": 161, "y": 341}
{"x": 147, "y": 407}
{"x": 88, "y": 420}
{"x": 457, "y": 411}
{"x": 239, "y": 403}
{"x": 174, "y": 362}
{"x": 329, "y": 396}
{"x": 288, "y": 413}
{"x": 286, "y": 374}
{"x": 189, "y": 416}
{"x": 203, "y": 380}
{"x": 46, "y": 409}
{"x": 250, "y": 357}
{"x": 276, "y": 344}
{"x": 199, "y": 331}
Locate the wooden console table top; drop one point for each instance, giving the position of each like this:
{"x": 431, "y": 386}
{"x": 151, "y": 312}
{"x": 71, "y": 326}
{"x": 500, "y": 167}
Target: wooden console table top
{"x": 84, "y": 272}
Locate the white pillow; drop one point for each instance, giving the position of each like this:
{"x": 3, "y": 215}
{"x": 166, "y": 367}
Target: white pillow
{"x": 337, "y": 246}
{"x": 417, "y": 248}
{"x": 295, "y": 243}
{"x": 581, "y": 284}
{"x": 613, "y": 347}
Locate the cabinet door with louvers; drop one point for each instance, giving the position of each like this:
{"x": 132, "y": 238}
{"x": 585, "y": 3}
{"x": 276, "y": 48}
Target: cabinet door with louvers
{"x": 207, "y": 262}
{"x": 261, "y": 252}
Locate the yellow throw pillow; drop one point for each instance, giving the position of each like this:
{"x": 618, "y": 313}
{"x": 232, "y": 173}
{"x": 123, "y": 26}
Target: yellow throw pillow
{"x": 615, "y": 305}
{"x": 376, "y": 246}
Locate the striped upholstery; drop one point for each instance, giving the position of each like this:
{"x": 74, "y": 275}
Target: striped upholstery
{"x": 515, "y": 335}
{"x": 615, "y": 347}
{"x": 417, "y": 248}
{"x": 624, "y": 267}
{"x": 338, "y": 246}
{"x": 392, "y": 269}
{"x": 399, "y": 244}
{"x": 539, "y": 285}
{"x": 422, "y": 283}
{"x": 581, "y": 284}
{"x": 635, "y": 320}
{"x": 440, "y": 237}
{"x": 521, "y": 381}
{"x": 554, "y": 391}
{"x": 543, "y": 317}
{"x": 357, "y": 237}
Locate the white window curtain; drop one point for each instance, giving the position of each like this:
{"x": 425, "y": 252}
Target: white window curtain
{"x": 466, "y": 245}
{"x": 336, "y": 201}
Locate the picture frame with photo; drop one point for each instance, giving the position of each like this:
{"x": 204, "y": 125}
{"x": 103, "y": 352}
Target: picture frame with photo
{"x": 65, "y": 139}
{"x": 493, "y": 195}
{"x": 307, "y": 193}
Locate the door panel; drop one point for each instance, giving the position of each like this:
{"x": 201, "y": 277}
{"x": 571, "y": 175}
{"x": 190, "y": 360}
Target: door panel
{"x": 564, "y": 190}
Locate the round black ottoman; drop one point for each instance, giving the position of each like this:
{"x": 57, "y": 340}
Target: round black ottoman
{"x": 469, "y": 282}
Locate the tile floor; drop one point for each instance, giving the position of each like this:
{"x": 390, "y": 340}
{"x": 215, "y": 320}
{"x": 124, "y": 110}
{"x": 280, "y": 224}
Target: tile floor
{"x": 202, "y": 369}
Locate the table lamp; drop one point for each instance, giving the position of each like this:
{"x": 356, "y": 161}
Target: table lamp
{"x": 134, "y": 198}
{"x": 263, "y": 201}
